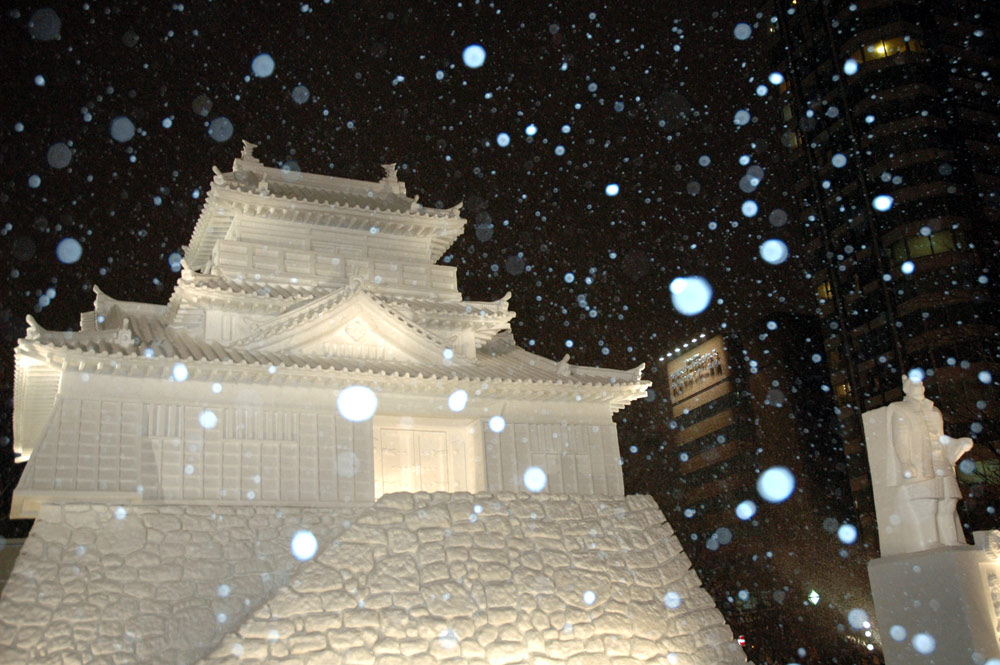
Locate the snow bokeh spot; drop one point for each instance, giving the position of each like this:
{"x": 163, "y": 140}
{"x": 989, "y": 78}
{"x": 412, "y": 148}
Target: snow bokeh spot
{"x": 474, "y": 56}
{"x": 882, "y": 202}
{"x": 304, "y": 545}
{"x": 690, "y": 295}
{"x": 746, "y": 509}
{"x": 262, "y": 65}
{"x": 457, "y": 400}
{"x": 69, "y": 250}
{"x": 122, "y": 129}
{"x": 776, "y": 484}
{"x": 357, "y": 403}
{"x": 774, "y": 251}
{"x": 535, "y": 479}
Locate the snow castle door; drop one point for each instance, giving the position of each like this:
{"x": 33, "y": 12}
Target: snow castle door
{"x": 427, "y": 455}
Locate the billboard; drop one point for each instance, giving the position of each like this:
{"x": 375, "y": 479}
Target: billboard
{"x": 697, "y": 369}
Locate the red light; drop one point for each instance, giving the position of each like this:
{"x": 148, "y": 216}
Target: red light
{"x": 742, "y": 641}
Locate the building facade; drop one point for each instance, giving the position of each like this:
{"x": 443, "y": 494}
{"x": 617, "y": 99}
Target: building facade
{"x": 889, "y": 114}
{"x": 743, "y": 402}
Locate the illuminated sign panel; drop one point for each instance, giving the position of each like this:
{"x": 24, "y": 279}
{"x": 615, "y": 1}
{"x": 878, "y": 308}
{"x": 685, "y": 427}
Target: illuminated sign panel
{"x": 699, "y": 368}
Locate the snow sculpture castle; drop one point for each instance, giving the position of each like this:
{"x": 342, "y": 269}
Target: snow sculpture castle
{"x": 316, "y": 378}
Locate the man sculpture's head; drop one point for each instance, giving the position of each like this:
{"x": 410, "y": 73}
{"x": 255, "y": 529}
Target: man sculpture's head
{"x": 911, "y": 388}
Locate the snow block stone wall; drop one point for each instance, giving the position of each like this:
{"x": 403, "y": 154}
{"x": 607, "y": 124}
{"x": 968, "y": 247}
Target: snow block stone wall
{"x": 416, "y": 579}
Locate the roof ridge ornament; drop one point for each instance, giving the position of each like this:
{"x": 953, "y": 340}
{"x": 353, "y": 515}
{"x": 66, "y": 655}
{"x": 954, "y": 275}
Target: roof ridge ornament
{"x": 391, "y": 180}
{"x": 246, "y": 157}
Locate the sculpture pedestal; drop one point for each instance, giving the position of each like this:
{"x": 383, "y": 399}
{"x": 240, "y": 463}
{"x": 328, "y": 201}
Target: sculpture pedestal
{"x": 939, "y": 607}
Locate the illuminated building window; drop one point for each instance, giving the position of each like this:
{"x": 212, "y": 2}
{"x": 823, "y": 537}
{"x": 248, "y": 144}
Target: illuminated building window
{"x": 791, "y": 140}
{"x": 843, "y": 393}
{"x": 915, "y": 247}
{"x": 884, "y": 48}
{"x": 824, "y": 291}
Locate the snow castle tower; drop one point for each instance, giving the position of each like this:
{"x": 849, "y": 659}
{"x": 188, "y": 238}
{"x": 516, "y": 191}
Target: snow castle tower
{"x": 318, "y": 453}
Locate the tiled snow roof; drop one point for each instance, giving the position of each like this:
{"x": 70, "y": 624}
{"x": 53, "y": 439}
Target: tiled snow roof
{"x": 500, "y": 361}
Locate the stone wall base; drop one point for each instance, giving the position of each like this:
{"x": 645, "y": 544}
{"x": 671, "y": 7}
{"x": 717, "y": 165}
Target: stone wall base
{"x": 415, "y": 579}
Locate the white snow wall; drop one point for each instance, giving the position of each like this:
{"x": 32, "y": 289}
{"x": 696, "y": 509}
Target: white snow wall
{"x": 413, "y": 579}
{"x": 282, "y": 446}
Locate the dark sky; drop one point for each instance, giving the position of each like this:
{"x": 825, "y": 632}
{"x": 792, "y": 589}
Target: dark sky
{"x": 641, "y": 97}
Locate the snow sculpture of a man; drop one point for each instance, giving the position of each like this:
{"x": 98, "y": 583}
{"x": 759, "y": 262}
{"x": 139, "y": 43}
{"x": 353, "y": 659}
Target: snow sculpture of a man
{"x": 921, "y": 463}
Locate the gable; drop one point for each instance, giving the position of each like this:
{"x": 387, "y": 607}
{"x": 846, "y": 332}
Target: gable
{"x": 347, "y": 324}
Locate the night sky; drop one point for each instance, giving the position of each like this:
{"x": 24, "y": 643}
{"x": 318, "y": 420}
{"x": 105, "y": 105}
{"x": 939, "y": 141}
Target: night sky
{"x": 644, "y": 100}
{"x": 115, "y": 114}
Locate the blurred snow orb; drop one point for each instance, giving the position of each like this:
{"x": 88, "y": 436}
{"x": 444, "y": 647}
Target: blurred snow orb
{"x": 612, "y": 189}
{"x": 531, "y": 129}
{"x": 848, "y": 534}
{"x": 120, "y": 513}
{"x": 761, "y": 90}
{"x": 262, "y": 65}
{"x": 589, "y": 597}
{"x": 179, "y": 372}
{"x": 985, "y": 377}
{"x": 776, "y": 484}
{"x": 34, "y": 181}
{"x": 857, "y": 618}
{"x": 300, "y": 94}
{"x": 44, "y": 25}
{"x": 535, "y": 479}
{"x": 897, "y": 633}
{"x": 778, "y": 217}
{"x": 122, "y": 129}
{"x": 357, "y": 403}
{"x": 569, "y": 277}
{"x": 774, "y": 251}
{"x": 882, "y": 202}
{"x": 497, "y": 424}
{"x": 216, "y": 388}
{"x": 749, "y": 208}
{"x": 222, "y": 591}
{"x": 69, "y": 250}
{"x": 746, "y": 509}
{"x": 742, "y": 117}
{"x": 304, "y": 545}
{"x": 672, "y": 600}
{"x": 923, "y": 643}
{"x": 776, "y": 78}
{"x": 457, "y": 400}
{"x": 907, "y": 267}
{"x": 221, "y": 129}
{"x": 690, "y": 295}
{"x": 474, "y": 56}
{"x": 850, "y": 66}
{"x": 503, "y": 139}
{"x": 742, "y": 31}
{"x": 208, "y": 419}
{"x": 59, "y": 155}
{"x": 839, "y": 160}
{"x": 916, "y": 375}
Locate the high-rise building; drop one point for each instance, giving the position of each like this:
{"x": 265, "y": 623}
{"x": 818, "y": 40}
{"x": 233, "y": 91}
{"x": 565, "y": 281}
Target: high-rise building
{"x": 750, "y": 406}
{"x": 890, "y": 119}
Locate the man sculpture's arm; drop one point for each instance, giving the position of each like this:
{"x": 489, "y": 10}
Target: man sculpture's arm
{"x": 955, "y": 448}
